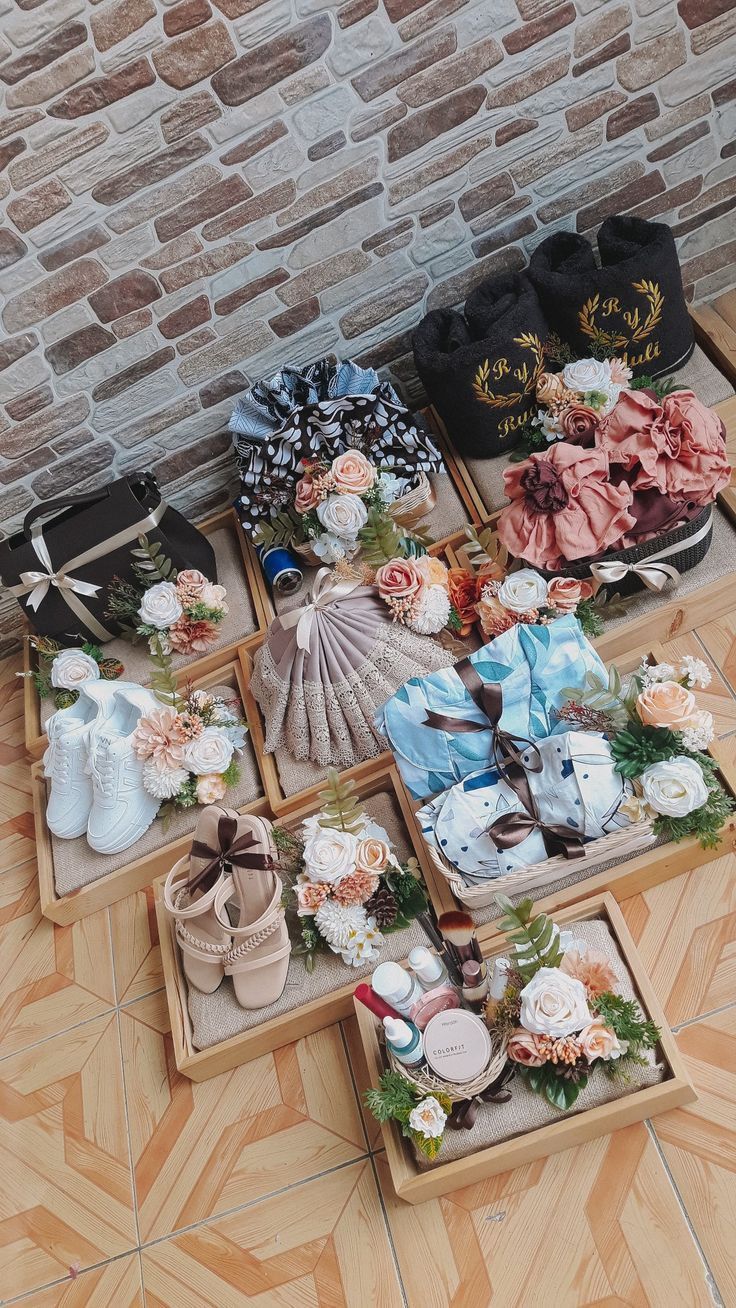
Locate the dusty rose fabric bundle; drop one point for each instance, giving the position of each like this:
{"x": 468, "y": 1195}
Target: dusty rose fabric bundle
{"x": 321, "y": 674}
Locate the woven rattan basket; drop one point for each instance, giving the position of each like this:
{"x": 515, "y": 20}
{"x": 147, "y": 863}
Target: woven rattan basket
{"x": 618, "y": 844}
{"x": 407, "y": 511}
{"x": 428, "y": 1084}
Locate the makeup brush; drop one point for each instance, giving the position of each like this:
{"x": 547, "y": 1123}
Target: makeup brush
{"x": 459, "y": 932}
{"x": 426, "y": 922}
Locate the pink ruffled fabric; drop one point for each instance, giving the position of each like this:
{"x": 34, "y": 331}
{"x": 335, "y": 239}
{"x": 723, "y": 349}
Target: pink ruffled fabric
{"x": 678, "y": 445}
{"x": 583, "y": 514}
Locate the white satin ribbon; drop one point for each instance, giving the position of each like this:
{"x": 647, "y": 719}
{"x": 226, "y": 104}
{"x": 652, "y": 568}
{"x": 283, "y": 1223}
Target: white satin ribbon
{"x": 327, "y": 588}
{"x": 653, "y": 571}
{"x": 40, "y": 581}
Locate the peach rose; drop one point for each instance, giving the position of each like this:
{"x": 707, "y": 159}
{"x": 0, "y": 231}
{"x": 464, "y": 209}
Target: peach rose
{"x": 354, "y": 474}
{"x": 432, "y": 570}
{"x": 309, "y": 896}
{"x": 307, "y": 494}
{"x": 579, "y": 423}
{"x": 524, "y": 1047}
{"x": 210, "y": 788}
{"x": 665, "y": 704}
{"x": 550, "y": 387}
{"x": 190, "y": 582}
{"x": 372, "y": 854}
{"x": 599, "y": 1041}
{"x": 565, "y": 593}
{"x": 399, "y": 579}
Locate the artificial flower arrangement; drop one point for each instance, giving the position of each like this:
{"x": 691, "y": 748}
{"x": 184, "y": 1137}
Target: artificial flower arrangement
{"x": 346, "y": 886}
{"x": 188, "y": 748}
{"x": 60, "y": 672}
{"x": 176, "y": 612}
{"x": 425, "y": 595}
{"x": 658, "y": 736}
{"x": 342, "y": 508}
{"x": 421, "y": 1117}
{"x": 612, "y": 462}
{"x": 560, "y": 1015}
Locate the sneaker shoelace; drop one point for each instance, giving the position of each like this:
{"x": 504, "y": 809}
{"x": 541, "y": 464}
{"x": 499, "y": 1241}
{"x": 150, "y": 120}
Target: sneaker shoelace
{"x": 103, "y": 771}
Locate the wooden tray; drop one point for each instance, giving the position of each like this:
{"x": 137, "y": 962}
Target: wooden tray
{"x": 331, "y": 1007}
{"x": 140, "y": 871}
{"x": 416, "y": 1186}
{"x": 35, "y": 735}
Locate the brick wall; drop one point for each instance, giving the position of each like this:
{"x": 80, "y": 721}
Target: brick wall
{"x": 197, "y": 192}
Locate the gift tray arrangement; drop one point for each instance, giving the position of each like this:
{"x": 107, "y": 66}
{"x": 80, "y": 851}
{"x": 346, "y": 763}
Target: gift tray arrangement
{"x": 400, "y": 684}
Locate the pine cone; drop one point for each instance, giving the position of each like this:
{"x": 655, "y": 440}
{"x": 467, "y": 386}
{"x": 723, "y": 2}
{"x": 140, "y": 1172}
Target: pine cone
{"x": 111, "y": 669}
{"x": 383, "y": 907}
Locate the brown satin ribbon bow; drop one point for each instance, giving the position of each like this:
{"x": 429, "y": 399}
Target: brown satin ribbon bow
{"x": 465, "y": 1111}
{"x": 230, "y": 853}
{"x": 511, "y": 828}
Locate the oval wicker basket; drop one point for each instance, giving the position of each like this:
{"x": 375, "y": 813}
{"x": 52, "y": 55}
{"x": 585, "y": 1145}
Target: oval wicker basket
{"x": 407, "y": 511}
{"x": 618, "y": 844}
{"x": 428, "y": 1084}
{"x": 674, "y": 548}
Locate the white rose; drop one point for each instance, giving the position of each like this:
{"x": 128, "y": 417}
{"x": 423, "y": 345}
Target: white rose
{"x": 428, "y": 1118}
{"x": 329, "y": 854}
{"x": 587, "y": 375}
{"x": 554, "y": 1004}
{"x": 213, "y": 596}
{"x": 522, "y": 591}
{"x": 212, "y": 751}
{"x": 160, "y": 606}
{"x": 674, "y": 788}
{"x": 343, "y": 515}
{"x": 71, "y": 668}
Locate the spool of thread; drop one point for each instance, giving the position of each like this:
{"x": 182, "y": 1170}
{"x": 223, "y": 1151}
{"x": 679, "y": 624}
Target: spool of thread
{"x": 280, "y": 568}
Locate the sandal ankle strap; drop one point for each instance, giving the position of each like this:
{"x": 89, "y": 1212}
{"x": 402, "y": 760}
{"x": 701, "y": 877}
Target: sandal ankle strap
{"x": 175, "y": 889}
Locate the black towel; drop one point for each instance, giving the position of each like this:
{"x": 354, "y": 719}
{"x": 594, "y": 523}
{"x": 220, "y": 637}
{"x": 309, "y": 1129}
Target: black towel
{"x": 632, "y": 306}
{"x": 480, "y": 370}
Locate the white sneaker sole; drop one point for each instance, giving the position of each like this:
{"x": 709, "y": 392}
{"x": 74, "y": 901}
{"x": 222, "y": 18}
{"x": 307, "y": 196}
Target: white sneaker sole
{"x": 100, "y": 847}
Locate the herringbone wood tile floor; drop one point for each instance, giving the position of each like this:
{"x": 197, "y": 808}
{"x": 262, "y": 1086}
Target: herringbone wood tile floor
{"x": 124, "y": 1184}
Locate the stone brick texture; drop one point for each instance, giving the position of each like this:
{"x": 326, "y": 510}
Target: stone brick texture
{"x": 195, "y": 192}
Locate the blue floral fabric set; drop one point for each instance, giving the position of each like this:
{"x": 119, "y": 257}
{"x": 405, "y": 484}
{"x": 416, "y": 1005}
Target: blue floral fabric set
{"x": 448, "y": 731}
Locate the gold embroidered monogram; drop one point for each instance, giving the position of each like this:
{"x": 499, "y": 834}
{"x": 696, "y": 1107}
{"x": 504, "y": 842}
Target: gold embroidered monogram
{"x": 640, "y": 323}
{"x": 525, "y": 374}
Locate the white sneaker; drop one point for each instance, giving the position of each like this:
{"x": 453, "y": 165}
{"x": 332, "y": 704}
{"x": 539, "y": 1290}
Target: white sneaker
{"x": 122, "y": 810}
{"x": 65, "y": 759}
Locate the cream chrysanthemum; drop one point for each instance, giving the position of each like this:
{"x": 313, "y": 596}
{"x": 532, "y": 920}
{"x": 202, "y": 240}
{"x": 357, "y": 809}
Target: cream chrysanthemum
{"x": 432, "y": 610}
{"x": 337, "y": 922}
{"x": 163, "y": 785}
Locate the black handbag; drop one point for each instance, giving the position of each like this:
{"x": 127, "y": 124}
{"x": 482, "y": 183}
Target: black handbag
{"x": 480, "y": 370}
{"x": 60, "y": 571}
{"x": 632, "y": 306}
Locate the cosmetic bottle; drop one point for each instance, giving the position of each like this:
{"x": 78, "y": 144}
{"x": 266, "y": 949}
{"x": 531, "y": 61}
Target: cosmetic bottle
{"x": 497, "y": 985}
{"x": 396, "y": 987}
{"x": 404, "y": 1040}
{"x": 438, "y": 992}
{"x": 475, "y": 984}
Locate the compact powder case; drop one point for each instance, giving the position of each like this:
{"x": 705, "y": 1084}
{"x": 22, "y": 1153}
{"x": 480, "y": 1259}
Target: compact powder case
{"x": 457, "y": 1045}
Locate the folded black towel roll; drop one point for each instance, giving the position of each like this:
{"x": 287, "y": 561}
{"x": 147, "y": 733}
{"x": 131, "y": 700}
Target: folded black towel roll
{"x": 480, "y": 370}
{"x": 632, "y": 306}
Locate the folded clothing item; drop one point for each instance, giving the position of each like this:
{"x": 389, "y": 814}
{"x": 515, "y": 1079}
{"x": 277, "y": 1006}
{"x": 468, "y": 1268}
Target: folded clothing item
{"x": 323, "y": 670}
{"x": 632, "y": 306}
{"x": 575, "y": 797}
{"x": 480, "y": 370}
{"x": 323, "y": 410}
{"x": 444, "y": 726}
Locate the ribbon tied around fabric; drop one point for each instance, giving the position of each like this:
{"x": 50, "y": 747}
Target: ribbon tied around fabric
{"x": 230, "y": 851}
{"x": 654, "y": 575}
{"x": 326, "y": 590}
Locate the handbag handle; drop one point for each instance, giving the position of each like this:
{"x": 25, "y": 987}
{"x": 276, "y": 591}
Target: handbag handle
{"x": 70, "y": 501}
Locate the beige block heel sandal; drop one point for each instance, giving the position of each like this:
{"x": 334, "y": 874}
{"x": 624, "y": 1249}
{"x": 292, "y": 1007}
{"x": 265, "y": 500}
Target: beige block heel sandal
{"x": 258, "y": 961}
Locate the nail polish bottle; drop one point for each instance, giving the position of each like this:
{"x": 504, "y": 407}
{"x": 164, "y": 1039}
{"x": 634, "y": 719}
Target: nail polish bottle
{"x": 404, "y": 1040}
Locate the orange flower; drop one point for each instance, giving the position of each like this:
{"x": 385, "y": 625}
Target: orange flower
{"x": 356, "y": 888}
{"x": 462, "y": 587}
{"x": 592, "y": 968}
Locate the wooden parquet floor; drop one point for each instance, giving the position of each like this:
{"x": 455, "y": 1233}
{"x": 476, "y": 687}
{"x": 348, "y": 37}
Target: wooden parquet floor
{"x": 123, "y": 1184}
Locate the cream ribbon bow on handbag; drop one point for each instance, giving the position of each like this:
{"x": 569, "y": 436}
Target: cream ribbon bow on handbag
{"x": 40, "y": 581}
{"x": 326, "y": 590}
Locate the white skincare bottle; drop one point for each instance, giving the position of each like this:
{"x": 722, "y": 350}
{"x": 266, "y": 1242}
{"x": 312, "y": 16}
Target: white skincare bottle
{"x": 397, "y": 987}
